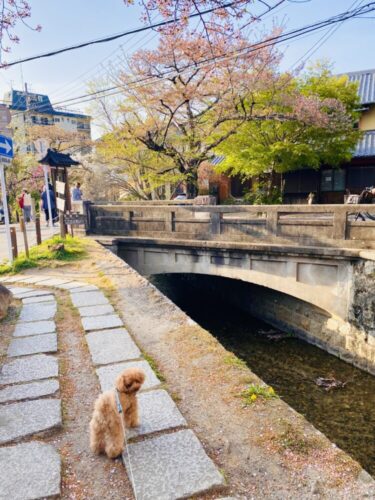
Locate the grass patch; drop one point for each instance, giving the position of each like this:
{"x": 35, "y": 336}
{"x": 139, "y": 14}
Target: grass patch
{"x": 232, "y": 360}
{"x": 46, "y": 253}
{"x": 255, "y": 392}
{"x": 293, "y": 439}
{"x": 154, "y": 366}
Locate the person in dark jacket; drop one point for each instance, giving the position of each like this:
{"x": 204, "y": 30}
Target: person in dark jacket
{"x": 44, "y": 199}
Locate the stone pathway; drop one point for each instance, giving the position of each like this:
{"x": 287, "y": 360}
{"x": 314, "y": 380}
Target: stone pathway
{"x": 169, "y": 465}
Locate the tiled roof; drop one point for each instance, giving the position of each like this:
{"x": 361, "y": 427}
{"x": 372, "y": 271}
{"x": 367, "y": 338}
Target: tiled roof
{"x": 366, "y": 146}
{"x": 366, "y": 88}
{"x": 56, "y": 159}
{"x": 39, "y": 103}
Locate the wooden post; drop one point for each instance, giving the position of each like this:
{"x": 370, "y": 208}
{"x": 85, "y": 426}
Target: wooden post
{"x": 13, "y": 237}
{"x": 23, "y": 229}
{"x": 37, "y": 229}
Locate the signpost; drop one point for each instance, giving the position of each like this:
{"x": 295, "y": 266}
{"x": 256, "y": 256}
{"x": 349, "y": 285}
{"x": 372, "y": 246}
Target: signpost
{"x": 6, "y": 155}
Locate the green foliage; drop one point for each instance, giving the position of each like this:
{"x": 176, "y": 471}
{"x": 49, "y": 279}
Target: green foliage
{"x": 261, "y": 194}
{"x": 232, "y": 360}
{"x": 255, "y": 391}
{"x": 45, "y": 253}
{"x": 271, "y": 145}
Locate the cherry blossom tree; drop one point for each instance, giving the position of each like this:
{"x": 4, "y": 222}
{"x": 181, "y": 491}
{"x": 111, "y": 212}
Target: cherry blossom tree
{"x": 11, "y": 13}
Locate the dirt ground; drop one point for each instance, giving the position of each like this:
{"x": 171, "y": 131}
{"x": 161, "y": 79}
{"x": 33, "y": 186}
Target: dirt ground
{"x": 265, "y": 451}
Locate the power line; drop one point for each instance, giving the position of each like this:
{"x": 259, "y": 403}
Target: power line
{"x": 293, "y": 34}
{"x": 125, "y": 33}
{"x": 323, "y": 39}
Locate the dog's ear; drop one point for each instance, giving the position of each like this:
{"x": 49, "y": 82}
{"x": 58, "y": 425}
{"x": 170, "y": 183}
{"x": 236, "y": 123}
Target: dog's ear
{"x": 130, "y": 380}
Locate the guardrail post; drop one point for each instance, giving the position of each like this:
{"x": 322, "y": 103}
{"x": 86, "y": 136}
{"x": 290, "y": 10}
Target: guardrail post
{"x": 37, "y": 230}
{"x": 13, "y": 239}
{"x": 339, "y": 223}
{"x": 169, "y": 222}
{"x": 215, "y": 222}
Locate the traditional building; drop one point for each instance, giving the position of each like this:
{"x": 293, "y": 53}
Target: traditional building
{"x": 28, "y": 109}
{"x": 329, "y": 185}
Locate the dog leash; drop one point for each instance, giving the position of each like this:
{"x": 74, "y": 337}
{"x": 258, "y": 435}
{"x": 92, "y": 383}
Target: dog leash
{"x": 119, "y": 409}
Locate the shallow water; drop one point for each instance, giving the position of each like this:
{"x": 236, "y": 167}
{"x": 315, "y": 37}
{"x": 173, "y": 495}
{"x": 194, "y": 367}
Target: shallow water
{"x": 345, "y": 415}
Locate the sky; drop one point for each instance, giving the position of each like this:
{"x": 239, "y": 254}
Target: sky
{"x": 71, "y": 21}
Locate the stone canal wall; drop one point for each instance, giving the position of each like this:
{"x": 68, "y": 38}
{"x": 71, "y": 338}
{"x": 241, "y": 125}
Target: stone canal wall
{"x": 353, "y": 340}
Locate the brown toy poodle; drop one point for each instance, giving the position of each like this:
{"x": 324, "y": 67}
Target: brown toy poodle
{"x": 106, "y": 428}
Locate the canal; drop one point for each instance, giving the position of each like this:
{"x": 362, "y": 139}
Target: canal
{"x": 345, "y": 415}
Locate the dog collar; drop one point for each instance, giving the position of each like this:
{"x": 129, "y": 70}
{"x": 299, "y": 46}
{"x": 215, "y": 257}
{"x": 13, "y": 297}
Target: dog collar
{"x": 118, "y": 403}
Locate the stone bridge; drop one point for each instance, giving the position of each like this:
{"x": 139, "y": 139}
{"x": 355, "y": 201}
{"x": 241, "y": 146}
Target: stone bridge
{"x": 314, "y": 265}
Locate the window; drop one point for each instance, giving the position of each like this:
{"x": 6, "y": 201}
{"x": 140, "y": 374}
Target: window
{"x": 57, "y": 120}
{"x": 332, "y": 180}
{"x": 34, "y": 119}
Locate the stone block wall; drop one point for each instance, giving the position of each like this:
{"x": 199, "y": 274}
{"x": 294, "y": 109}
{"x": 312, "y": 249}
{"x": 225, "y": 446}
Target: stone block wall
{"x": 344, "y": 339}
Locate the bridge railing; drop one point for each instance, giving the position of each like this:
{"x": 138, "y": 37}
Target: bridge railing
{"x": 313, "y": 225}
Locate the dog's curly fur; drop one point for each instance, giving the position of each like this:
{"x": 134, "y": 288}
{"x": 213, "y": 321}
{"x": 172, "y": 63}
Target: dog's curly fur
{"x": 106, "y": 429}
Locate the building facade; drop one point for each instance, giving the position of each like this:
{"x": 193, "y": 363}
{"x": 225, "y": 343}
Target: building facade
{"x": 331, "y": 185}
{"x": 29, "y": 109}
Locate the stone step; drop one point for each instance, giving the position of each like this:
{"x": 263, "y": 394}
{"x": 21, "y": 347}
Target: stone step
{"x": 36, "y": 300}
{"x": 108, "y": 374}
{"x": 24, "y": 346}
{"x": 32, "y": 390}
{"x": 28, "y": 369}
{"x": 101, "y": 322}
{"x": 38, "y": 312}
{"x": 88, "y": 299}
{"x": 29, "y": 470}
{"x": 157, "y": 412}
{"x": 171, "y": 466}
{"x": 34, "y": 328}
{"x": 96, "y": 310}
{"x": 111, "y": 346}
{"x": 19, "y": 420}
{"x": 32, "y": 293}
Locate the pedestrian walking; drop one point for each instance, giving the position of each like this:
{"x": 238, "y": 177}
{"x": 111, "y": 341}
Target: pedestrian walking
{"x": 44, "y": 201}
{"x": 26, "y": 205}
{"x": 77, "y": 194}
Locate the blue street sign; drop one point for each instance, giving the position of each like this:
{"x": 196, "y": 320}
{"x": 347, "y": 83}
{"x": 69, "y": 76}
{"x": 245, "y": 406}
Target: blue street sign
{"x": 6, "y": 146}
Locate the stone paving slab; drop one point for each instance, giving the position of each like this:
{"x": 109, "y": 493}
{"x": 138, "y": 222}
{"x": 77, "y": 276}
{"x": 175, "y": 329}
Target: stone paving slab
{"x": 101, "y": 322}
{"x": 111, "y": 346}
{"x": 33, "y": 293}
{"x": 157, "y": 412}
{"x": 13, "y": 279}
{"x": 33, "y": 345}
{"x": 171, "y": 466}
{"x": 87, "y": 288}
{"x": 34, "y": 328}
{"x": 72, "y": 285}
{"x": 38, "y": 300}
{"x": 29, "y": 470}
{"x": 38, "y": 312}
{"x": 30, "y": 280}
{"x": 17, "y": 290}
{"x": 108, "y": 374}
{"x": 32, "y": 390}
{"x": 55, "y": 282}
{"x": 88, "y": 299}
{"x": 27, "y": 369}
{"x": 18, "y": 420}
{"x": 96, "y": 310}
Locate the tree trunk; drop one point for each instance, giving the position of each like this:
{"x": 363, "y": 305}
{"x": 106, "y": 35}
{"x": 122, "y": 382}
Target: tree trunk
{"x": 192, "y": 182}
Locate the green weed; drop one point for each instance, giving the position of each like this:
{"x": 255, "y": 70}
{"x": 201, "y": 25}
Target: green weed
{"x": 256, "y": 391}
{"x": 232, "y": 360}
{"x": 154, "y": 366}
